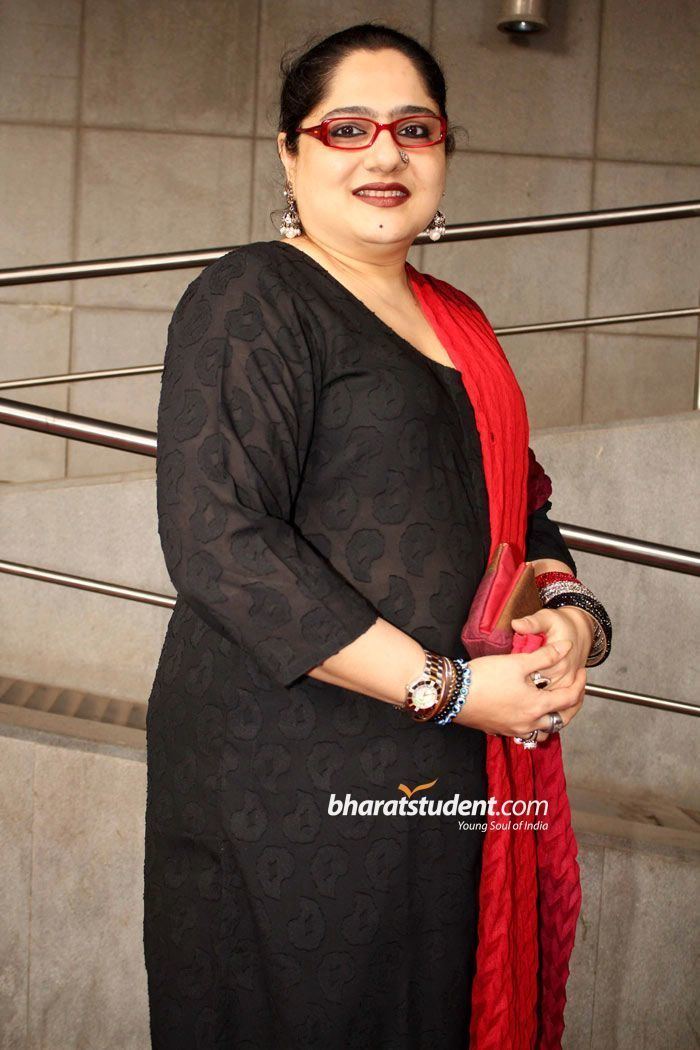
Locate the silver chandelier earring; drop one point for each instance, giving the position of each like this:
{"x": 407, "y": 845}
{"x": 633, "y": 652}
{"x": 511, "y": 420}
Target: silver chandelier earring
{"x": 436, "y": 226}
{"x": 291, "y": 223}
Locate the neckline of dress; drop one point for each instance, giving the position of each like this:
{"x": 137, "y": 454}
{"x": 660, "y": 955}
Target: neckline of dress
{"x": 288, "y": 248}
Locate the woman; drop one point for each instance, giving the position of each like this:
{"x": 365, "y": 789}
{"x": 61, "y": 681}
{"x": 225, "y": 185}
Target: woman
{"x": 324, "y": 516}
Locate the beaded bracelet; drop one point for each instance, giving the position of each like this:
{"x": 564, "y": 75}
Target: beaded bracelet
{"x": 463, "y": 680}
{"x": 455, "y": 676}
{"x": 558, "y": 589}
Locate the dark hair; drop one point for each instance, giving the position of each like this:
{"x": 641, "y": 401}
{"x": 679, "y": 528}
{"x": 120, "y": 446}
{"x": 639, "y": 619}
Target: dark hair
{"x": 306, "y": 77}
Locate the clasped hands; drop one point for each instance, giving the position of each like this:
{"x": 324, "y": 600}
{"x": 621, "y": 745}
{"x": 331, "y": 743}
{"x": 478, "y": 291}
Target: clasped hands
{"x": 566, "y": 624}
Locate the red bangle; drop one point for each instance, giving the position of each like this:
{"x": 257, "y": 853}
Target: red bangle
{"x": 543, "y": 578}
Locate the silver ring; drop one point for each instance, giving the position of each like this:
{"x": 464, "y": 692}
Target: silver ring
{"x": 556, "y": 723}
{"x": 528, "y": 741}
{"x": 540, "y": 680}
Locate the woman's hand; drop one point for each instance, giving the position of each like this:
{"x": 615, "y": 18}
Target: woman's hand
{"x": 503, "y": 700}
{"x": 568, "y": 623}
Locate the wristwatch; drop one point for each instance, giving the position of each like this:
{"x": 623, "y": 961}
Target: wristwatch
{"x": 423, "y": 692}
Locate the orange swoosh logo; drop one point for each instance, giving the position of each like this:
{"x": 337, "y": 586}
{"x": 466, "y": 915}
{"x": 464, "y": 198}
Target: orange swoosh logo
{"x": 421, "y": 787}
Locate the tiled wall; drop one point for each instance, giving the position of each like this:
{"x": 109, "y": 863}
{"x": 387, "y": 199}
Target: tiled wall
{"x": 130, "y": 126}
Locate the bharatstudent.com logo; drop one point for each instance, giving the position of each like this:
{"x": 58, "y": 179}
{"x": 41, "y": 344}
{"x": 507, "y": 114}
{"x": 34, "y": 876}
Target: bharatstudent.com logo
{"x": 511, "y": 814}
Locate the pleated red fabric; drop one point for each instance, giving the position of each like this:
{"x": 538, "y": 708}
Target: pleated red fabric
{"x": 530, "y": 890}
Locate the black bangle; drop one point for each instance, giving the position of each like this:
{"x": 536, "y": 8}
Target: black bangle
{"x": 601, "y": 645}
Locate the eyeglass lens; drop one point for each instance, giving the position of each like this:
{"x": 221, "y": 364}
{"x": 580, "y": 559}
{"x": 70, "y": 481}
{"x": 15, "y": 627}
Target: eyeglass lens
{"x": 351, "y": 132}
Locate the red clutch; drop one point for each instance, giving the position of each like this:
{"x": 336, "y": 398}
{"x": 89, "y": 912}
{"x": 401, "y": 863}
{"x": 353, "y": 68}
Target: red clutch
{"x": 507, "y": 591}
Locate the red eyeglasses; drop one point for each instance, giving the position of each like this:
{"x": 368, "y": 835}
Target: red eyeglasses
{"x": 412, "y": 132}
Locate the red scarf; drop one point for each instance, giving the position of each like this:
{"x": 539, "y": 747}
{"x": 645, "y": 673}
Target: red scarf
{"x": 530, "y": 890}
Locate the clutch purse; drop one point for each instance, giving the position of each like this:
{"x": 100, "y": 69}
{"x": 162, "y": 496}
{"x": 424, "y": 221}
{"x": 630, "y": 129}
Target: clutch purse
{"x": 507, "y": 591}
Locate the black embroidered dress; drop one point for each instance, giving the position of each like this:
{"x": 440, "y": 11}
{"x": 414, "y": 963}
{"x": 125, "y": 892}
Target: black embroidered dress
{"x": 314, "y": 471}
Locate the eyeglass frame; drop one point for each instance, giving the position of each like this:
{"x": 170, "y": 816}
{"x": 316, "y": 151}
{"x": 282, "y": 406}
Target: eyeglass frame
{"x": 320, "y": 131}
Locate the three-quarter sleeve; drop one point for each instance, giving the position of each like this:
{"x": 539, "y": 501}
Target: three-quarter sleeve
{"x": 544, "y": 539}
{"x": 239, "y": 394}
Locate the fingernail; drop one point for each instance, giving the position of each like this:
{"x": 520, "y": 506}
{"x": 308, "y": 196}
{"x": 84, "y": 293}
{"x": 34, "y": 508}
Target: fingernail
{"x": 563, "y": 647}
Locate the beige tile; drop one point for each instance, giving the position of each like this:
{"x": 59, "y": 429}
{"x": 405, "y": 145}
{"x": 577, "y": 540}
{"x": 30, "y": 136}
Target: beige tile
{"x": 649, "y": 105}
{"x": 75, "y": 639}
{"x": 16, "y": 814}
{"x": 646, "y": 266}
{"x": 624, "y": 477}
{"x": 634, "y": 479}
{"x": 612, "y": 744}
{"x": 647, "y": 974}
{"x": 298, "y": 24}
{"x": 144, "y": 192}
{"x": 39, "y": 60}
{"x": 34, "y": 341}
{"x": 103, "y": 530}
{"x": 170, "y": 65}
{"x": 115, "y": 339}
{"x": 532, "y": 94}
{"x": 87, "y": 978}
{"x": 549, "y": 369}
{"x": 516, "y": 280}
{"x": 268, "y": 200}
{"x": 36, "y": 206}
{"x": 631, "y": 376}
{"x": 578, "y": 1016}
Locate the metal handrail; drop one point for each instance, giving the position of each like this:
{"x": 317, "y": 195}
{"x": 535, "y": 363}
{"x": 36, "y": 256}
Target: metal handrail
{"x": 578, "y": 220}
{"x": 134, "y": 594}
{"x": 523, "y": 329}
{"x": 101, "y": 432}
{"x": 680, "y": 707}
{"x": 593, "y": 322}
{"x": 144, "y": 443}
{"x": 85, "y": 583}
{"x": 626, "y": 548}
{"x": 80, "y": 377}
{"x": 79, "y": 428}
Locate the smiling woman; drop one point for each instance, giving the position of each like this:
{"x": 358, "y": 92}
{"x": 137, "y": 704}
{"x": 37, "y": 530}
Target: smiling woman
{"x": 376, "y": 136}
{"x": 341, "y": 444}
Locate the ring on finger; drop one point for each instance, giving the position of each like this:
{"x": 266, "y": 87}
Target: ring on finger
{"x": 556, "y": 722}
{"x": 528, "y": 741}
{"x": 539, "y": 679}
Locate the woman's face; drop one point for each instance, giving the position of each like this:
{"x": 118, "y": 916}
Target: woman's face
{"x": 324, "y": 178}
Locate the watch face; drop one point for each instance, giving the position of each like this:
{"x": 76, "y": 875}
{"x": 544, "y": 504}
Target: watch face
{"x": 424, "y": 695}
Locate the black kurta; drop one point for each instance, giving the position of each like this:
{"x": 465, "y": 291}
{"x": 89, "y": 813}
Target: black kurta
{"x": 314, "y": 471}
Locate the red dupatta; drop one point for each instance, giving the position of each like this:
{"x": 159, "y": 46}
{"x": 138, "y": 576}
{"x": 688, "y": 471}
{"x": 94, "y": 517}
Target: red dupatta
{"x": 530, "y": 890}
